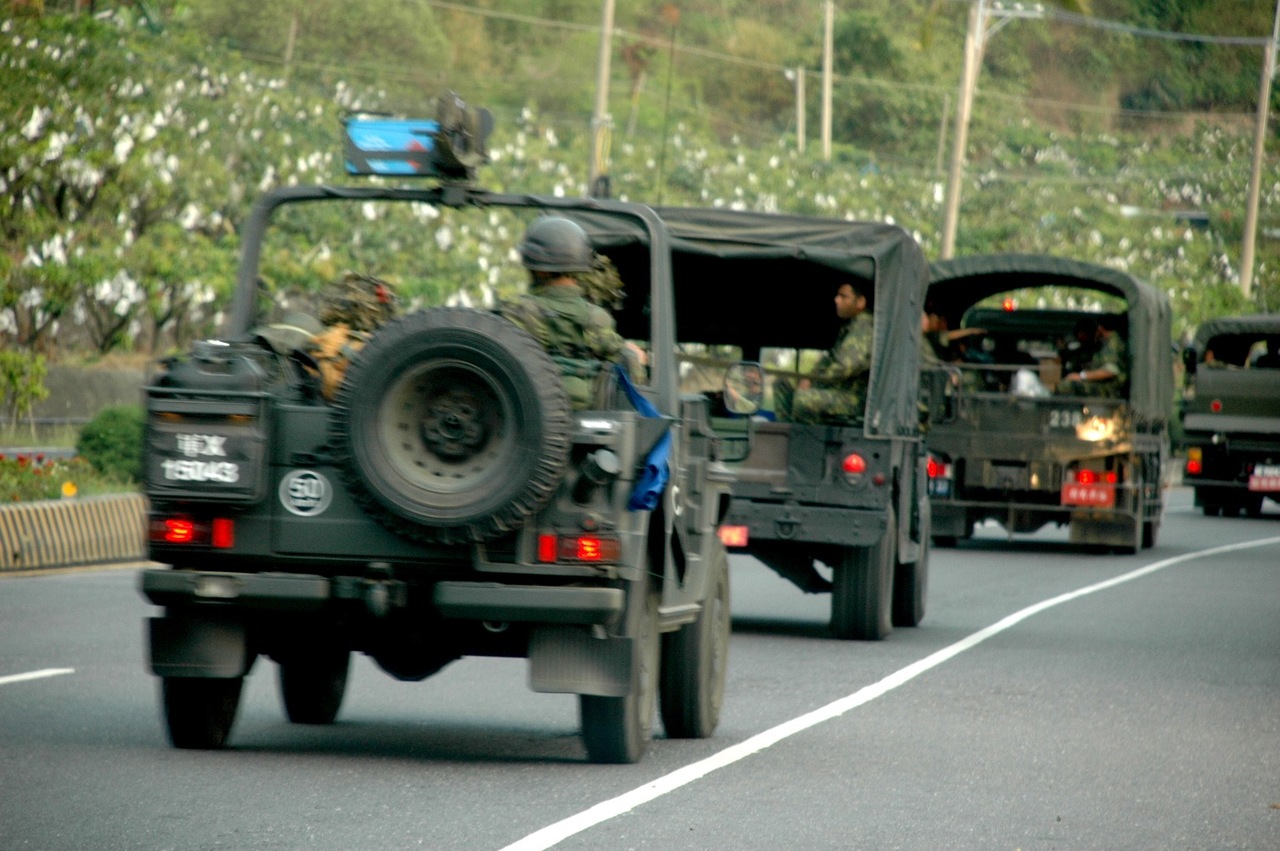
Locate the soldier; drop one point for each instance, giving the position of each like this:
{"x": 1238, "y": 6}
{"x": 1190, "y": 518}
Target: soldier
{"x": 836, "y": 389}
{"x": 578, "y": 334}
{"x": 1105, "y": 373}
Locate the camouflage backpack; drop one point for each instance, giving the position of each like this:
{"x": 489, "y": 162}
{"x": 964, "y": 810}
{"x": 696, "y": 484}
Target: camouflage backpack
{"x": 361, "y": 302}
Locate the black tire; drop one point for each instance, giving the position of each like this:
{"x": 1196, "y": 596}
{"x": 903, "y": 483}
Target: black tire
{"x": 695, "y": 660}
{"x": 453, "y": 425}
{"x": 618, "y": 730}
{"x": 911, "y": 581}
{"x": 1211, "y": 509}
{"x": 1252, "y": 504}
{"x": 946, "y": 542}
{"x": 199, "y": 712}
{"x": 312, "y": 686}
{"x": 862, "y": 589}
{"x": 1150, "y": 532}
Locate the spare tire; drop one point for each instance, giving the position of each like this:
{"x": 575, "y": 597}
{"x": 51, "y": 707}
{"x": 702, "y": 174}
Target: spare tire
{"x": 453, "y": 425}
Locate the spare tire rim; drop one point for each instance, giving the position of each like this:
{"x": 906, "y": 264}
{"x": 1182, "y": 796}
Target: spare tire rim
{"x": 444, "y": 426}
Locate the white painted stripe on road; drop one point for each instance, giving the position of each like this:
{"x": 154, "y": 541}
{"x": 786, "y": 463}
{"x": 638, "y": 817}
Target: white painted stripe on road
{"x": 35, "y": 675}
{"x": 605, "y": 810}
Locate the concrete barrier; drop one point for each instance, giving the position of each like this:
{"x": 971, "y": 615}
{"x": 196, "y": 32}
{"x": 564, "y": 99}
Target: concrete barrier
{"x": 70, "y": 532}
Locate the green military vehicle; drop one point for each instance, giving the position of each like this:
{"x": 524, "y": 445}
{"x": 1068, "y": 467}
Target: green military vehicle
{"x": 757, "y": 289}
{"x": 1231, "y": 414}
{"x": 425, "y": 491}
{"x": 1006, "y": 446}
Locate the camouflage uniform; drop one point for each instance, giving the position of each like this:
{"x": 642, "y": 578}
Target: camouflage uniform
{"x": 838, "y": 383}
{"x": 579, "y": 336}
{"x": 1111, "y": 356}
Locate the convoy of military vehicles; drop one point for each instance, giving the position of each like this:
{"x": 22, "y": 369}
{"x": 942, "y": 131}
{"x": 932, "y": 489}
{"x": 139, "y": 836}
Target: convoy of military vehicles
{"x": 415, "y": 484}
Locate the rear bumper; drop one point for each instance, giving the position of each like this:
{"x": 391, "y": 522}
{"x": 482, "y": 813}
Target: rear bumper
{"x": 487, "y": 601}
{"x": 808, "y": 524}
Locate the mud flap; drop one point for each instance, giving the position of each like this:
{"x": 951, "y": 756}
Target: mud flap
{"x": 571, "y": 660}
{"x": 1108, "y": 530}
{"x": 198, "y": 647}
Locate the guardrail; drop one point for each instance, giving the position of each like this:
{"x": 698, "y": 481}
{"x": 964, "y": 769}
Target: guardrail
{"x": 71, "y": 532}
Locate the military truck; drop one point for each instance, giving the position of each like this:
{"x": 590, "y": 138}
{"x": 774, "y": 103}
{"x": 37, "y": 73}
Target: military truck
{"x": 844, "y": 497}
{"x": 439, "y": 497}
{"x": 1006, "y": 447}
{"x": 1230, "y": 412}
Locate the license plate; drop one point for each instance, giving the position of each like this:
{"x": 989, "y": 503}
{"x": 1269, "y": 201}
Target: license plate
{"x": 1265, "y": 478}
{"x": 939, "y": 487}
{"x": 1091, "y": 496}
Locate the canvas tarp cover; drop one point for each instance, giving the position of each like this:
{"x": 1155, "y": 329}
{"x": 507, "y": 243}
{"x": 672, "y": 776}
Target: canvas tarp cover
{"x": 1231, "y": 337}
{"x": 746, "y": 278}
{"x": 961, "y": 282}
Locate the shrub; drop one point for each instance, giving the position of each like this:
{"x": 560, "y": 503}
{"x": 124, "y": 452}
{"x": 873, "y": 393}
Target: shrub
{"x": 112, "y": 442}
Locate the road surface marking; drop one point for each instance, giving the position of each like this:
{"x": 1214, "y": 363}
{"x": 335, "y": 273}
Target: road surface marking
{"x": 605, "y": 810}
{"x": 35, "y": 675}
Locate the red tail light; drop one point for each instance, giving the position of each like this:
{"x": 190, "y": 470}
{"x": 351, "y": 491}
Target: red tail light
{"x": 175, "y": 530}
{"x": 734, "y": 536}
{"x": 1194, "y": 467}
{"x": 601, "y": 549}
{"x": 219, "y": 532}
{"x": 935, "y": 468}
{"x": 1086, "y": 477}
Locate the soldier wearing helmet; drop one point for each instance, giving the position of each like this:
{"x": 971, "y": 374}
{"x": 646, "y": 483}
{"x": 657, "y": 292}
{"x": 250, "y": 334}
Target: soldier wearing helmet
{"x": 578, "y": 334}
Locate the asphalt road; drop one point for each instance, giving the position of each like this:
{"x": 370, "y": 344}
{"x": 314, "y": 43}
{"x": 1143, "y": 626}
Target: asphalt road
{"x": 1051, "y": 699}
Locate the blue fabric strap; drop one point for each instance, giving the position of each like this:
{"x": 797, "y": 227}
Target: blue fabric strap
{"x": 652, "y": 480}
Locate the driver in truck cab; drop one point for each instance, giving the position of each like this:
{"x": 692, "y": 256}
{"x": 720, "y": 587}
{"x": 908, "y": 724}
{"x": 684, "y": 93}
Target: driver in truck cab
{"x": 835, "y": 390}
{"x": 579, "y": 335}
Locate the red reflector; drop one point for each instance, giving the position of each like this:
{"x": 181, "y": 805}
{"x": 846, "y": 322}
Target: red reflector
{"x": 1216, "y": 406}
{"x": 1086, "y": 477}
{"x": 1009, "y": 304}
{"x": 935, "y": 468}
{"x": 224, "y": 533}
{"x": 734, "y": 536}
{"x": 546, "y": 548}
{"x": 179, "y": 531}
{"x": 854, "y": 464}
{"x": 1194, "y": 467}
{"x": 1110, "y": 477}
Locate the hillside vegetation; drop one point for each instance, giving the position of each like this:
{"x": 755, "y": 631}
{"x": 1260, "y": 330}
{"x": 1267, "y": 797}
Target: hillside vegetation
{"x": 132, "y": 141}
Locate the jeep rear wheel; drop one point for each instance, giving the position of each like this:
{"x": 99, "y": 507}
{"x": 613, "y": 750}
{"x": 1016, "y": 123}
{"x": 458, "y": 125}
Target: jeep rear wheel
{"x": 618, "y": 729}
{"x": 199, "y": 712}
{"x": 312, "y": 687}
{"x": 695, "y": 659}
{"x": 862, "y": 589}
{"x": 454, "y": 425}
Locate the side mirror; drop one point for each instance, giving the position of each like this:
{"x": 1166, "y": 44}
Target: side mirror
{"x": 744, "y": 388}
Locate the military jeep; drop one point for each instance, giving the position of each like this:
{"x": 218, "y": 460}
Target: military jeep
{"x": 445, "y": 500}
{"x": 849, "y": 495}
{"x": 1230, "y": 414}
{"x": 1007, "y": 447}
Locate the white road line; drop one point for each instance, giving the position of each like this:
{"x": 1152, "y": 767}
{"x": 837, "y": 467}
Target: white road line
{"x": 35, "y": 675}
{"x": 605, "y": 810}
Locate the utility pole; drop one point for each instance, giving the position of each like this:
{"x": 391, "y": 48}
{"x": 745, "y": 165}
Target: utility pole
{"x": 826, "y": 78}
{"x": 1259, "y": 147}
{"x": 975, "y": 44}
{"x": 800, "y": 116}
{"x": 601, "y": 121}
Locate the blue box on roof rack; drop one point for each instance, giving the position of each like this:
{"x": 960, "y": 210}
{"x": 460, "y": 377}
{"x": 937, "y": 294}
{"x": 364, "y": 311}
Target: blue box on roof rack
{"x": 392, "y": 146}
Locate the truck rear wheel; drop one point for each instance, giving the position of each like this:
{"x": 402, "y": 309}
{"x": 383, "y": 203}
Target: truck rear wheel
{"x": 695, "y": 660}
{"x": 862, "y": 589}
{"x": 911, "y": 580}
{"x": 618, "y": 729}
{"x": 453, "y": 425}
{"x": 312, "y": 687}
{"x": 199, "y": 712}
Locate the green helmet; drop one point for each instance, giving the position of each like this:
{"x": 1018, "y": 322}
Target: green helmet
{"x": 555, "y": 244}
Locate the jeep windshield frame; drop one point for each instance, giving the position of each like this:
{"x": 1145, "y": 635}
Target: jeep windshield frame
{"x": 1231, "y": 337}
{"x": 649, "y": 305}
